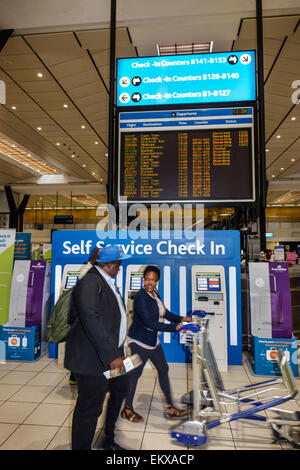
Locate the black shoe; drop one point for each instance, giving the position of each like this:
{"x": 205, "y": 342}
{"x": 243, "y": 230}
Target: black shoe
{"x": 112, "y": 446}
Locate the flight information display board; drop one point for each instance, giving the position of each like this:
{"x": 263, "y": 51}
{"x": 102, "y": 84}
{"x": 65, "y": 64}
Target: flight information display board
{"x": 186, "y": 79}
{"x": 197, "y": 155}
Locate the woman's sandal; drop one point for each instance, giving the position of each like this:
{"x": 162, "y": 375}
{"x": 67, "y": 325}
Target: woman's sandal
{"x": 129, "y": 414}
{"x": 171, "y": 412}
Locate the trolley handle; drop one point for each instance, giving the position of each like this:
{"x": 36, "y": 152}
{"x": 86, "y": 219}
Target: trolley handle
{"x": 200, "y": 313}
{"x": 193, "y": 327}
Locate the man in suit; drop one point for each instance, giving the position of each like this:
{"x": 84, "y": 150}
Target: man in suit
{"x": 94, "y": 345}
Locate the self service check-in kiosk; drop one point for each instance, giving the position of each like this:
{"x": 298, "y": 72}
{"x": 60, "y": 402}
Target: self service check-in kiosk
{"x": 133, "y": 283}
{"x": 196, "y": 274}
{"x": 209, "y": 294}
{"x": 70, "y": 276}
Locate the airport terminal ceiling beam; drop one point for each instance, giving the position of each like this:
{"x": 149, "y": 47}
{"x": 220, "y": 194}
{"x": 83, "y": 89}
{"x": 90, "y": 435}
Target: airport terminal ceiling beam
{"x": 4, "y": 37}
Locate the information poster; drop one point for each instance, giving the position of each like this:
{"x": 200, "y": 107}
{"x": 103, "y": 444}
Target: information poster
{"x": 279, "y": 253}
{"x": 7, "y": 246}
{"x": 22, "y": 246}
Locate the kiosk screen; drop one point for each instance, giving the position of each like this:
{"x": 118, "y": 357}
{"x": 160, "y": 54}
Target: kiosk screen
{"x": 208, "y": 282}
{"x": 136, "y": 281}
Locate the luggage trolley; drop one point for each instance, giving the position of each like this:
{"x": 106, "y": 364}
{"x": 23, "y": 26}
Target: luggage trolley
{"x": 210, "y": 401}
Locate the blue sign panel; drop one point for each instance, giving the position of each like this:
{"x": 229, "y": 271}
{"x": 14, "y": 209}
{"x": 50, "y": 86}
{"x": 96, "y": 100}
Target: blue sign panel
{"x": 192, "y": 264}
{"x": 197, "y": 78}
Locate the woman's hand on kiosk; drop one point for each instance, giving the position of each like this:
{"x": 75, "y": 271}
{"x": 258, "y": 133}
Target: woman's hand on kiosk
{"x": 193, "y": 327}
{"x": 178, "y": 326}
{"x": 188, "y": 319}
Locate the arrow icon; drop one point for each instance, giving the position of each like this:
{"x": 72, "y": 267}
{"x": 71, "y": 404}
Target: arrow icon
{"x": 245, "y": 59}
{"x": 124, "y": 81}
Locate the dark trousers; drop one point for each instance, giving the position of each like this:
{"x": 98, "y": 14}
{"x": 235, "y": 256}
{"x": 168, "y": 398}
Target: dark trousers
{"x": 91, "y": 395}
{"x": 158, "y": 359}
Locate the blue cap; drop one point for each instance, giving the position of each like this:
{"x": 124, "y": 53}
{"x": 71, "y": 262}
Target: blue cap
{"x": 111, "y": 253}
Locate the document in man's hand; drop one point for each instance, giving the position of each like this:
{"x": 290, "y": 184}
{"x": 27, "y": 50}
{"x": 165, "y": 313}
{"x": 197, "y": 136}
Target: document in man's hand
{"x": 130, "y": 363}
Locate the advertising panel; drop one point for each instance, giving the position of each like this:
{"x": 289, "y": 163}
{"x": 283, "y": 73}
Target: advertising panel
{"x": 7, "y": 246}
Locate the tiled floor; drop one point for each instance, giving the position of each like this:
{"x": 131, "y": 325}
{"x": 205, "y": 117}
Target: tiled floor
{"x": 36, "y": 405}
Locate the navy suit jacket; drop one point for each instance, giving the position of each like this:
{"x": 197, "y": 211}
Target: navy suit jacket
{"x": 145, "y": 324}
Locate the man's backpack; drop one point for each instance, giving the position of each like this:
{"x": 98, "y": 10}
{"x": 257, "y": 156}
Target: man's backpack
{"x": 58, "y": 325}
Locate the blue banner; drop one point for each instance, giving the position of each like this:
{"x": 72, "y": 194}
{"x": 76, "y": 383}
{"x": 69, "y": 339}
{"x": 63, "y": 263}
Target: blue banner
{"x": 197, "y": 78}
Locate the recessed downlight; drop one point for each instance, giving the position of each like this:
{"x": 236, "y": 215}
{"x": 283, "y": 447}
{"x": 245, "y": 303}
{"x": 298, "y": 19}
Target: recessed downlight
{"x": 39, "y": 74}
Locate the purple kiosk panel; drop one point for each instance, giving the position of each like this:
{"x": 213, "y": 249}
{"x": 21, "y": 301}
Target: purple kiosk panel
{"x": 35, "y": 291}
{"x": 281, "y": 306}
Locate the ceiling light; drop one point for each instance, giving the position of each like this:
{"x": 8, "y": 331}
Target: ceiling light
{"x": 273, "y": 176}
{"x": 82, "y": 127}
{"x": 96, "y": 142}
{"x": 13, "y": 107}
{"x": 39, "y": 128}
{"x": 21, "y": 156}
{"x": 293, "y": 119}
{"x": 278, "y": 136}
{"x": 292, "y": 159}
{"x": 267, "y": 150}
{"x": 83, "y": 165}
{"x": 93, "y": 173}
{"x": 73, "y": 155}
{"x": 57, "y": 143}
{"x": 101, "y": 179}
{"x": 281, "y": 169}
{"x": 66, "y": 105}
{"x": 39, "y": 74}
{"x": 106, "y": 154}
{"x": 193, "y": 48}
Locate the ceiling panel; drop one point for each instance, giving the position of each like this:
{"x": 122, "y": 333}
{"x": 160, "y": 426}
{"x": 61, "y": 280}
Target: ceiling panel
{"x": 75, "y": 64}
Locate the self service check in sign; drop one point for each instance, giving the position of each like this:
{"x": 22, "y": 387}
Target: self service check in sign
{"x": 197, "y": 78}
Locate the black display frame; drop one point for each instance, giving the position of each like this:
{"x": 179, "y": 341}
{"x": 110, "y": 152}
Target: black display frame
{"x": 206, "y": 203}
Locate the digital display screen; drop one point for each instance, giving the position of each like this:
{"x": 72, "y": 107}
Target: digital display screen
{"x": 197, "y": 78}
{"x": 71, "y": 279}
{"x": 186, "y": 156}
{"x": 136, "y": 281}
{"x": 208, "y": 282}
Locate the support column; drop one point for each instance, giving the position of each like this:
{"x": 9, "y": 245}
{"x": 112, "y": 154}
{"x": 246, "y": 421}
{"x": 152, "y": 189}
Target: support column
{"x": 16, "y": 213}
{"x": 261, "y": 122}
{"x": 111, "y": 125}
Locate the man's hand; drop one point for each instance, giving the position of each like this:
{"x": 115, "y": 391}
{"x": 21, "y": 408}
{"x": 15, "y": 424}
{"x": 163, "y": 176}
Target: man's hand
{"x": 117, "y": 364}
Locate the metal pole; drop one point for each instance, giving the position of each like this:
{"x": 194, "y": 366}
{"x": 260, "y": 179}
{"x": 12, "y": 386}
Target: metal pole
{"x": 261, "y": 121}
{"x": 111, "y": 124}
